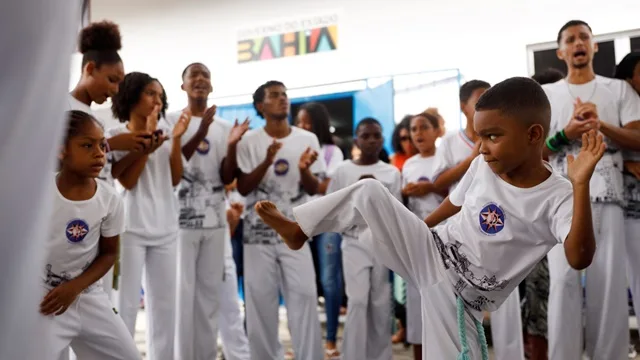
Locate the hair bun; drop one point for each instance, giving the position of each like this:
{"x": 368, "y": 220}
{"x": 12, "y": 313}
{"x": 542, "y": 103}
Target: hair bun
{"x": 100, "y": 36}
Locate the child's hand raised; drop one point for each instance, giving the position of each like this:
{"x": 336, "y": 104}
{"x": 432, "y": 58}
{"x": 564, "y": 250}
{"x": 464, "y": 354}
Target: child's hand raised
{"x": 581, "y": 167}
{"x": 307, "y": 159}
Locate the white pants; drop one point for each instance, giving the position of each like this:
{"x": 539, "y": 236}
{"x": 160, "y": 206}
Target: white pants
{"x": 632, "y": 236}
{"x": 265, "y": 267}
{"x": 506, "y": 329}
{"x": 159, "y": 264}
{"x": 607, "y": 326}
{"x": 414, "y": 315}
{"x": 368, "y": 323}
{"x": 200, "y": 273}
{"x": 403, "y": 243}
{"x": 235, "y": 344}
{"x": 92, "y": 329}
{"x": 107, "y": 285}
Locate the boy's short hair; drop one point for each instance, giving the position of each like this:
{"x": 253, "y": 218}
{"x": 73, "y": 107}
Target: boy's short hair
{"x": 569, "y": 24}
{"x": 260, "y": 93}
{"x": 548, "y": 76}
{"x": 467, "y": 89}
{"x": 521, "y": 98}
{"x": 367, "y": 121}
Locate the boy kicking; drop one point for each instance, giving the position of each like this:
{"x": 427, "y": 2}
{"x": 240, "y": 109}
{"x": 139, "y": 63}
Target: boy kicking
{"x": 508, "y": 211}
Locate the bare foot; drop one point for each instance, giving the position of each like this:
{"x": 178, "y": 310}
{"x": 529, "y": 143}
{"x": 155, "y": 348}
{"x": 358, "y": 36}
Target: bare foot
{"x": 289, "y": 230}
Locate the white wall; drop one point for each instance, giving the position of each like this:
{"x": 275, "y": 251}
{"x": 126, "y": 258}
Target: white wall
{"x": 484, "y": 39}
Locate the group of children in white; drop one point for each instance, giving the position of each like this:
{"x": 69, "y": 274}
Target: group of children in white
{"x": 463, "y": 224}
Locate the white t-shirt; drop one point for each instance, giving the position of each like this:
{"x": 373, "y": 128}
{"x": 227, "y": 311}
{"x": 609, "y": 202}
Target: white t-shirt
{"x": 454, "y": 148}
{"x": 348, "y": 173}
{"x": 281, "y": 183}
{"x": 332, "y": 157}
{"x": 415, "y": 170}
{"x": 75, "y": 230}
{"x": 75, "y": 104}
{"x": 151, "y": 206}
{"x": 501, "y": 232}
{"x": 618, "y": 104}
{"x": 201, "y": 191}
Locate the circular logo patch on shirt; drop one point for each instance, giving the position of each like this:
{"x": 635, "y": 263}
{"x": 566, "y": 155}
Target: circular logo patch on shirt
{"x": 491, "y": 219}
{"x": 281, "y": 167}
{"x": 203, "y": 147}
{"x": 77, "y": 230}
{"x": 423, "y": 179}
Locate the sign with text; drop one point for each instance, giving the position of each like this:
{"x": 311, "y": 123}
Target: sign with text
{"x": 288, "y": 38}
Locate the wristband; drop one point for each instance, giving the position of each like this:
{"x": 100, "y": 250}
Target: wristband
{"x": 564, "y": 137}
{"x": 550, "y": 145}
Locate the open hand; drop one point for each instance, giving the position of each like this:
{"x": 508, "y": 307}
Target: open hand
{"x": 307, "y": 159}
{"x": 633, "y": 167}
{"x": 152, "y": 119}
{"x": 182, "y": 125}
{"x": 58, "y": 300}
{"x": 581, "y": 167}
{"x": 208, "y": 117}
{"x": 237, "y": 131}
{"x": 272, "y": 150}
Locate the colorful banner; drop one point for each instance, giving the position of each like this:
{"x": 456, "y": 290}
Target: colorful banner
{"x": 288, "y": 38}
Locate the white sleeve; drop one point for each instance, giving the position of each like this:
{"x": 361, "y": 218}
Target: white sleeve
{"x": 442, "y": 160}
{"x": 560, "y": 217}
{"x": 336, "y": 158}
{"x": 113, "y": 224}
{"x": 396, "y": 187}
{"x": 629, "y": 105}
{"x": 334, "y": 183}
{"x": 243, "y": 157}
{"x": 225, "y": 138}
{"x": 318, "y": 167}
{"x": 456, "y": 197}
{"x": 116, "y": 155}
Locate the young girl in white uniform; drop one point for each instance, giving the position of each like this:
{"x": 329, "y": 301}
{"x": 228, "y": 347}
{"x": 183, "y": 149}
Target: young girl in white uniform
{"x": 102, "y": 72}
{"x": 366, "y": 329}
{"x": 152, "y": 213}
{"x": 417, "y": 173}
{"x": 471, "y": 263}
{"x": 87, "y": 220}
{"x": 314, "y": 117}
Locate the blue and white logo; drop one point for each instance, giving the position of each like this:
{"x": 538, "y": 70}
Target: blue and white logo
{"x": 203, "y": 147}
{"x": 77, "y": 230}
{"x": 281, "y": 167}
{"x": 492, "y": 219}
